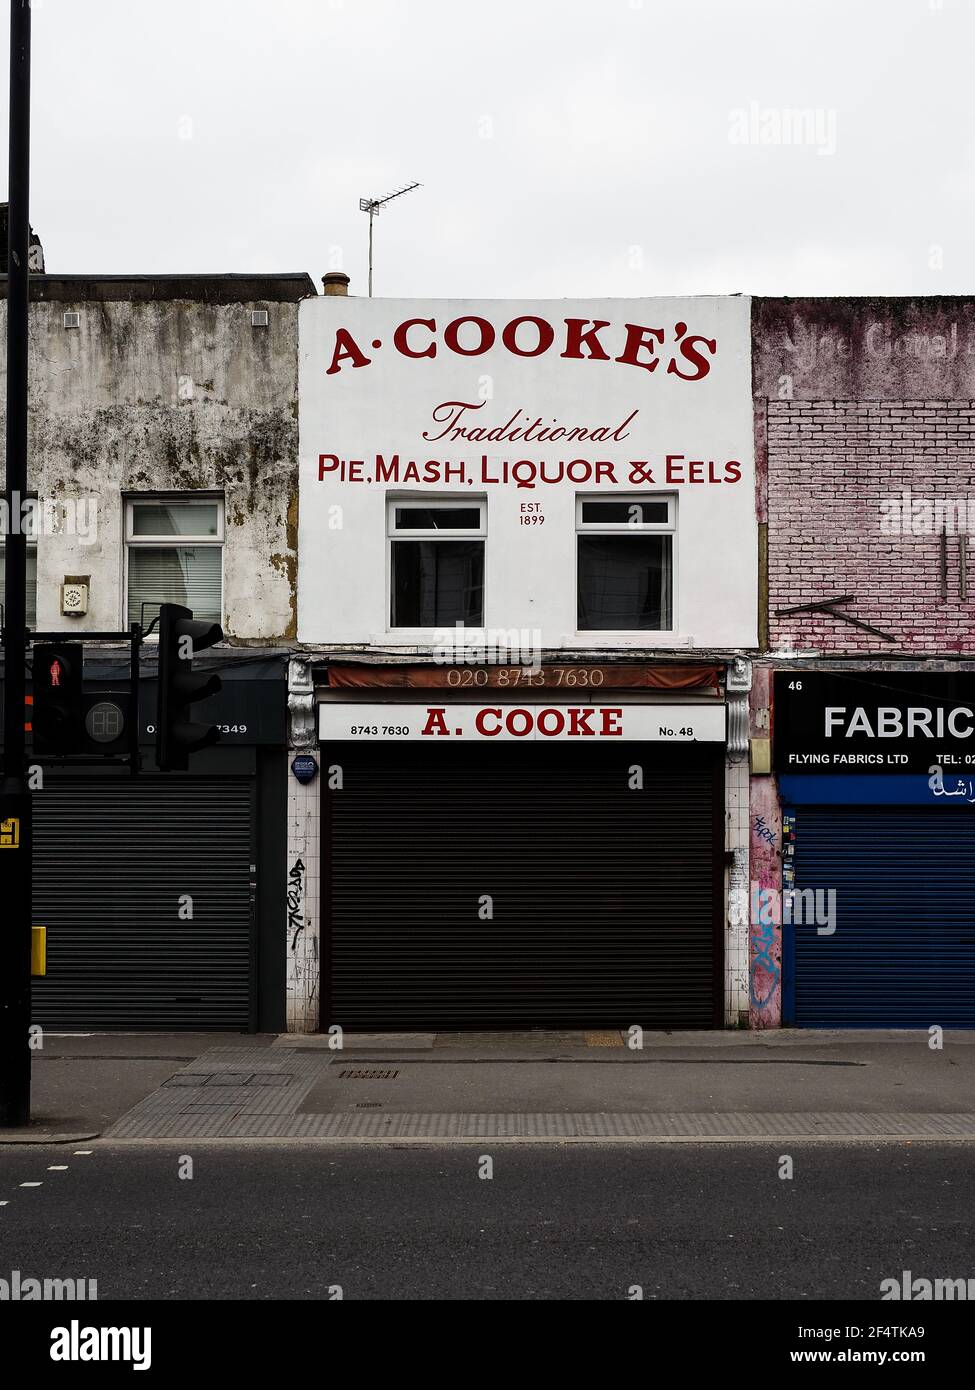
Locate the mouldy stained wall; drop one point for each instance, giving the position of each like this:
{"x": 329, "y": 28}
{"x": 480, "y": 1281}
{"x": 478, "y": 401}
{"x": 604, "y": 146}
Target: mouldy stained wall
{"x": 864, "y": 401}
{"x": 168, "y": 395}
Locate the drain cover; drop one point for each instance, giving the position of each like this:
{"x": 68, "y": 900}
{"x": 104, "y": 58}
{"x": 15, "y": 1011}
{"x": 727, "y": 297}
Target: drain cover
{"x": 351, "y": 1075}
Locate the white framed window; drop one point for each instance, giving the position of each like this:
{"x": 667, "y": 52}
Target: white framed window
{"x": 625, "y": 563}
{"x": 174, "y": 554}
{"x": 436, "y": 561}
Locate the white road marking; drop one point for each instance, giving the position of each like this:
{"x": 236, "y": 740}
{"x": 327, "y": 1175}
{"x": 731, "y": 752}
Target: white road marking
{"x": 57, "y": 1167}
{"x": 84, "y": 1151}
{"x": 32, "y": 1184}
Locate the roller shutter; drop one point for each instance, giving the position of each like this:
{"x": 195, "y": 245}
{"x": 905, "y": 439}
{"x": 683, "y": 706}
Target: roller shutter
{"x": 603, "y": 899}
{"x": 903, "y": 952}
{"x": 112, "y": 861}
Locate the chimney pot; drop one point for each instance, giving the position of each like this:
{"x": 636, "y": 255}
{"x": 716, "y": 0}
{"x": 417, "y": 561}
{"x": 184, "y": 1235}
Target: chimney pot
{"x": 336, "y": 282}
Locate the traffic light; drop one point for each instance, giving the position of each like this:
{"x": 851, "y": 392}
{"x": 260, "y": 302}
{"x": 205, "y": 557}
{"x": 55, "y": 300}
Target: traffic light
{"x": 180, "y": 638}
{"x": 58, "y": 717}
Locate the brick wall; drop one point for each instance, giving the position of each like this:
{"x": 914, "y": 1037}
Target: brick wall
{"x": 837, "y": 472}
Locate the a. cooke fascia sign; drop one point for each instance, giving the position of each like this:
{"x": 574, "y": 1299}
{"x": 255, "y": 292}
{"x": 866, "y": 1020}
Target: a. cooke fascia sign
{"x": 527, "y": 407}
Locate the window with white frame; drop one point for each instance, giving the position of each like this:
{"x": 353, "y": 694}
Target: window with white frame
{"x": 625, "y": 563}
{"x": 436, "y": 562}
{"x": 174, "y": 554}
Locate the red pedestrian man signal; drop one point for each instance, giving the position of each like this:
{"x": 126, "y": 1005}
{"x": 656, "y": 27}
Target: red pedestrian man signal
{"x": 58, "y": 714}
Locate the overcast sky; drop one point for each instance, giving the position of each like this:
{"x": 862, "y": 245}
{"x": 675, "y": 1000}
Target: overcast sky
{"x": 565, "y": 147}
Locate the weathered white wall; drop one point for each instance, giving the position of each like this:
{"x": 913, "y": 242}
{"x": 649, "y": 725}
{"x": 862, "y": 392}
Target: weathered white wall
{"x": 168, "y": 395}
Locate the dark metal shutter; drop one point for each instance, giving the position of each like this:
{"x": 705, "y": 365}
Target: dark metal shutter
{"x": 111, "y": 859}
{"x": 604, "y": 898}
{"x": 903, "y": 952}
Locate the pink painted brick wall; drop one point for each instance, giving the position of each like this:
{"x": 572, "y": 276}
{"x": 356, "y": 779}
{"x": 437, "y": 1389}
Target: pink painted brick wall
{"x": 831, "y": 464}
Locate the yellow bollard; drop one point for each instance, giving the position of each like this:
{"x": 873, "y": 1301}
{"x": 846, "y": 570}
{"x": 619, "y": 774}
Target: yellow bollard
{"x": 38, "y": 950}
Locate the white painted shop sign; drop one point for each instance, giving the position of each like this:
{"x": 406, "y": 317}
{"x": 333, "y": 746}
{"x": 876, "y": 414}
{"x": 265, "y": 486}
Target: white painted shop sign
{"x": 527, "y": 408}
{"x": 605, "y": 723}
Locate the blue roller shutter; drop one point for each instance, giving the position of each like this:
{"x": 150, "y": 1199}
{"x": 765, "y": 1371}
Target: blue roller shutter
{"x": 903, "y": 952}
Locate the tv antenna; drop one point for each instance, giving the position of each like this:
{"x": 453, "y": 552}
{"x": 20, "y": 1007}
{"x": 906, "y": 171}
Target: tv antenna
{"x": 373, "y": 205}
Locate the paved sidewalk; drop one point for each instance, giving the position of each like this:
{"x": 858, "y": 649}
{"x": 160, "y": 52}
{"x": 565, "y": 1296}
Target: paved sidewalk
{"x": 81, "y": 1083}
{"x": 546, "y": 1084}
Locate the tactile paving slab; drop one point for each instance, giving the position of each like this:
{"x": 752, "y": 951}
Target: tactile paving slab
{"x": 216, "y": 1098}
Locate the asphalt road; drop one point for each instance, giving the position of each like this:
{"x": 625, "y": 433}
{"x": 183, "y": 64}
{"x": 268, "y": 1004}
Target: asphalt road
{"x": 578, "y": 1221}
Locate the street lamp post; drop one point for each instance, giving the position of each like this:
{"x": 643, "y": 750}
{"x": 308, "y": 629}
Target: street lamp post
{"x": 15, "y": 800}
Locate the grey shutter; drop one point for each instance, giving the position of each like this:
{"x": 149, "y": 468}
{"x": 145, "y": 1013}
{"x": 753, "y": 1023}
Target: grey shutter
{"x": 605, "y": 899}
{"x": 112, "y": 858}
